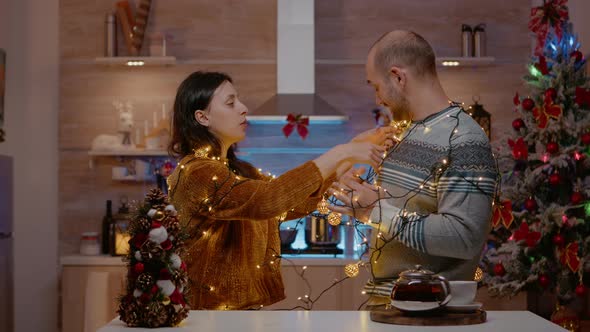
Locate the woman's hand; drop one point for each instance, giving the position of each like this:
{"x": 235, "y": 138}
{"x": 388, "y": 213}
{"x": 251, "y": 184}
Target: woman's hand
{"x": 379, "y": 136}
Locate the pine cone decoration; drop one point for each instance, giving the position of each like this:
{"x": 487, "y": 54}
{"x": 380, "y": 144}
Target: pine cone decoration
{"x": 175, "y": 317}
{"x": 179, "y": 277}
{"x": 156, "y": 198}
{"x": 153, "y": 309}
{"x": 130, "y": 313}
{"x": 172, "y": 225}
{"x": 156, "y": 315}
{"x": 140, "y": 225}
{"x": 144, "y": 281}
{"x": 151, "y": 250}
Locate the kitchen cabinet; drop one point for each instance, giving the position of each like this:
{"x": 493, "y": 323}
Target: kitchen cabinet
{"x": 96, "y": 304}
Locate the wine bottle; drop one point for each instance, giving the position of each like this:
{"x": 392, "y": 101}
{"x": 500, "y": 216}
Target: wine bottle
{"x": 107, "y": 220}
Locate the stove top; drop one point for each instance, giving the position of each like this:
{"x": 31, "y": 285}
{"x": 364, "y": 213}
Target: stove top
{"x": 330, "y": 250}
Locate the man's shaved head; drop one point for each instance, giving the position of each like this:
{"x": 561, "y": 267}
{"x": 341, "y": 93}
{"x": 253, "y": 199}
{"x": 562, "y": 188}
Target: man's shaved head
{"x": 405, "y": 49}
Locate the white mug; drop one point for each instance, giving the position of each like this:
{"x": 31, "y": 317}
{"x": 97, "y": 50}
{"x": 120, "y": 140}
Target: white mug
{"x": 119, "y": 172}
{"x": 462, "y": 292}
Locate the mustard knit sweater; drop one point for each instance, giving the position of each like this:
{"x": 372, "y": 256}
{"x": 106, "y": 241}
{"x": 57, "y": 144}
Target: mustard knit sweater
{"x": 233, "y": 222}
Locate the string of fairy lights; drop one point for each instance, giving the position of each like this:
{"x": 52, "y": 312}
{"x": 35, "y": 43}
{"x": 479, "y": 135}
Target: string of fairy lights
{"x": 405, "y": 131}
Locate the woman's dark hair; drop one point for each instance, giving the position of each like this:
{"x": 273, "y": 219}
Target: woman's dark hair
{"x": 195, "y": 93}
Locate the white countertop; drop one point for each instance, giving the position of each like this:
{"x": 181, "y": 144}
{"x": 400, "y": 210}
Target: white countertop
{"x": 340, "y": 321}
{"x": 298, "y": 260}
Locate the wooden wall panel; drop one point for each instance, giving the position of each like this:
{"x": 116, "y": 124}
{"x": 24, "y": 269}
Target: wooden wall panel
{"x": 346, "y": 29}
{"x": 202, "y": 29}
{"x": 88, "y": 91}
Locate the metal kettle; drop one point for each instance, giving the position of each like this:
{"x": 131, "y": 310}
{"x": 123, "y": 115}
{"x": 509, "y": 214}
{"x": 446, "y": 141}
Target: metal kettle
{"x": 420, "y": 290}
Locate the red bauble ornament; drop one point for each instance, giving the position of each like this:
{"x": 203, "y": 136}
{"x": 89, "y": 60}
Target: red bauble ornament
{"x": 554, "y": 179}
{"x": 528, "y": 104}
{"x": 530, "y": 204}
{"x": 551, "y": 94}
{"x": 577, "y": 198}
{"x": 578, "y": 55}
{"x": 517, "y": 124}
{"x": 499, "y": 270}
{"x": 558, "y": 240}
{"x": 552, "y": 147}
{"x": 581, "y": 290}
{"x": 544, "y": 281}
{"x": 586, "y": 138}
{"x": 138, "y": 268}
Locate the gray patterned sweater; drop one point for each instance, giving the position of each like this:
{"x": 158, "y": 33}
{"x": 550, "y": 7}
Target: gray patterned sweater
{"x": 442, "y": 178}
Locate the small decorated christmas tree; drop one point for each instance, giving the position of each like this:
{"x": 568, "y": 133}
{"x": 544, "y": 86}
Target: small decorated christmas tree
{"x": 156, "y": 289}
{"x": 541, "y": 234}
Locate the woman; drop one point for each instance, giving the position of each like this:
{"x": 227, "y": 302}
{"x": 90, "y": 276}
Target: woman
{"x": 232, "y": 209}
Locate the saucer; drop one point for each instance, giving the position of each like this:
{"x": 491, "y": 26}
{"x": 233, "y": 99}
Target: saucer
{"x": 464, "y": 307}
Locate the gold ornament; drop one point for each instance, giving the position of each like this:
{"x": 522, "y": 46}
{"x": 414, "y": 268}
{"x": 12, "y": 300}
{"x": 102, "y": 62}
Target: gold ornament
{"x": 166, "y": 300}
{"x": 351, "y": 270}
{"x": 334, "y": 218}
{"x": 323, "y": 206}
{"x": 478, "y": 274}
{"x": 159, "y": 215}
{"x": 202, "y": 153}
{"x": 283, "y": 216}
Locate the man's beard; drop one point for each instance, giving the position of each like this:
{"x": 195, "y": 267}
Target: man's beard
{"x": 399, "y": 106}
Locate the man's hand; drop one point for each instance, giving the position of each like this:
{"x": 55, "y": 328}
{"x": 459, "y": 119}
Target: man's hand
{"x": 358, "y": 197}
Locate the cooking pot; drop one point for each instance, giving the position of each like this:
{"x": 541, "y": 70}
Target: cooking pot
{"x": 318, "y": 232}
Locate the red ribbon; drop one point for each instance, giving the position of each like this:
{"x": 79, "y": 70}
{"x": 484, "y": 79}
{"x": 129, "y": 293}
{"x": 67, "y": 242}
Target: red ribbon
{"x": 542, "y": 65}
{"x": 296, "y": 121}
{"x": 523, "y": 233}
{"x": 582, "y": 97}
{"x": 516, "y": 100}
{"x": 569, "y": 257}
{"x": 553, "y": 13}
{"x": 502, "y": 214}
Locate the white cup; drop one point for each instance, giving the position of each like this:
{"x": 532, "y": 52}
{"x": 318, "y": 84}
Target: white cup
{"x": 462, "y": 292}
{"x": 119, "y": 173}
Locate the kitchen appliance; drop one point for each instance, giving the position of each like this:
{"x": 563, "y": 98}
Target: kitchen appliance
{"x": 320, "y": 236}
{"x": 420, "y": 290}
{"x": 6, "y": 244}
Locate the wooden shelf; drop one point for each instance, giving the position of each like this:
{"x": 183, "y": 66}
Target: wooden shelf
{"x": 442, "y": 61}
{"x": 128, "y": 153}
{"x": 137, "y": 61}
{"x": 465, "y": 61}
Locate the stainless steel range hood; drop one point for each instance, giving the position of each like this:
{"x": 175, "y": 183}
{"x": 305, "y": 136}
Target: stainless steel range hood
{"x": 276, "y": 109}
{"x": 296, "y": 69}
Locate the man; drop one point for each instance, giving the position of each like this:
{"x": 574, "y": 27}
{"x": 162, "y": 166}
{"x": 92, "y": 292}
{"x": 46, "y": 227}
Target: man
{"x": 436, "y": 186}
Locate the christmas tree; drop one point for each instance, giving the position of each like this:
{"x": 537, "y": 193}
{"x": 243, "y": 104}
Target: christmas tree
{"x": 157, "y": 280}
{"x": 541, "y": 223}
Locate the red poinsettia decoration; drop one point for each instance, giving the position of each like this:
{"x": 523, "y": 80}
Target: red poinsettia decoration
{"x": 553, "y": 13}
{"x": 582, "y": 97}
{"x": 523, "y": 233}
{"x": 296, "y": 121}
{"x": 544, "y": 112}
{"x": 569, "y": 257}
{"x": 519, "y": 149}
{"x": 502, "y": 214}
